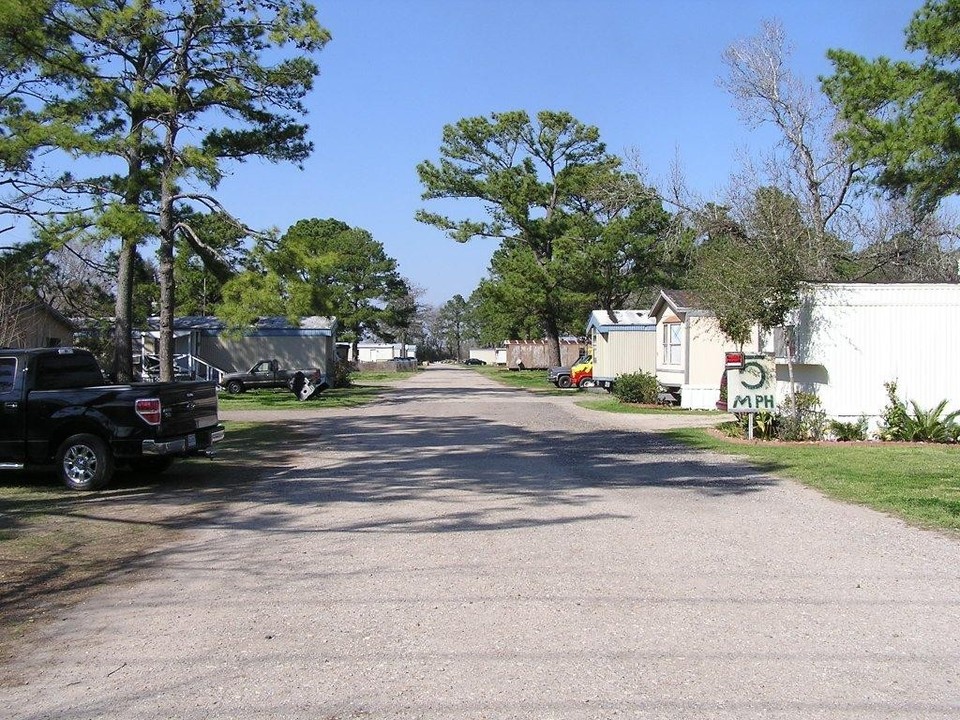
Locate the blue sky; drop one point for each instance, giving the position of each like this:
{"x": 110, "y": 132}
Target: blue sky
{"x": 643, "y": 72}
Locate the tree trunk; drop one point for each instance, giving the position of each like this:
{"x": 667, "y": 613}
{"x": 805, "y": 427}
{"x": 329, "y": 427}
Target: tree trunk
{"x": 165, "y": 261}
{"x": 167, "y": 308}
{"x": 165, "y": 253}
{"x": 553, "y": 340}
{"x": 123, "y": 314}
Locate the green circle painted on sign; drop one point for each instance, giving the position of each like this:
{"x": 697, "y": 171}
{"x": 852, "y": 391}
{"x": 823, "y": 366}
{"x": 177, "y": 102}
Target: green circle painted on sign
{"x": 753, "y": 368}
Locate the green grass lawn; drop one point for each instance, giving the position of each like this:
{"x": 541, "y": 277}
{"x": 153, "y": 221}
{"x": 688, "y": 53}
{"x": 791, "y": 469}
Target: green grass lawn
{"x": 919, "y": 483}
{"x": 366, "y": 388}
{"x": 525, "y": 379}
{"x": 608, "y": 403}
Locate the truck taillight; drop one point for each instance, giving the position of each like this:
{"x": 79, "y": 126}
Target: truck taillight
{"x": 149, "y": 410}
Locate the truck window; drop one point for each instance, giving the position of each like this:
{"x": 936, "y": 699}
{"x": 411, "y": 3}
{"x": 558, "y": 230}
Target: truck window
{"x": 56, "y": 372}
{"x": 8, "y": 373}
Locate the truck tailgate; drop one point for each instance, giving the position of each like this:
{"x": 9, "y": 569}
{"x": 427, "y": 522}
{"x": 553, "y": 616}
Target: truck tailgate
{"x": 187, "y": 407}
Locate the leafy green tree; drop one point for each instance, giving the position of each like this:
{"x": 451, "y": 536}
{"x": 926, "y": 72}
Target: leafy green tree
{"x": 903, "y": 117}
{"x": 25, "y": 185}
{"x": 222, "y": 62}
{"x": 171, "y": 91}
{"x": 749, "y": 268}
{"x": 623, "y": 246}
{"x": 402, "y": 321}
{"x": 452, "y": 324}
{"x": 497, "y": 312}
{"x": 323, "y": 267}
{"x": 286, "y": 276}
{"x": 201, "y": 274}
{"x": 531, "y": 177}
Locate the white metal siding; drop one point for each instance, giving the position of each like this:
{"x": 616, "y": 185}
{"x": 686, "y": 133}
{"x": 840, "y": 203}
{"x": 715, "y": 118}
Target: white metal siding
{"x": 488, "y": 356}
{"x": 851, "y": 339}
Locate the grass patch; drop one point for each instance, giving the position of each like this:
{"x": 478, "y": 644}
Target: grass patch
{"x": 369, "y": 377}
{"x": 535, "y": 380}
{"x": 367, "y": 388}
{"x": 919, "y": 483}
{"x": 611, "y": 404}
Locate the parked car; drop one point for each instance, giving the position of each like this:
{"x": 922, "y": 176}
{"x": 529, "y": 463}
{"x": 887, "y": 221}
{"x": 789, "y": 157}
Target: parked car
{"x": 271, "y": 374}
{"x": 474, "y": 361}
{"x": 56, "y": 407}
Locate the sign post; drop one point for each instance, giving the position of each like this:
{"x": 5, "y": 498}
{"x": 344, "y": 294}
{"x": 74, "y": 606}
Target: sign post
{"x": 751, "y": 385}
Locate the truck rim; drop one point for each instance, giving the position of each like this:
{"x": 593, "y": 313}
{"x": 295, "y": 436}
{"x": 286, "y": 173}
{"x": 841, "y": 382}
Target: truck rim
{"x": 80, "y": 463}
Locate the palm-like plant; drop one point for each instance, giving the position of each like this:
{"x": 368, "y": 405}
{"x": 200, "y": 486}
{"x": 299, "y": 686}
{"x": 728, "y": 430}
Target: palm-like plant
{"x": 931, "y": 425}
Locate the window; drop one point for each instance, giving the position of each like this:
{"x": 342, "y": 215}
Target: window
{"x": 57, "y": 372}
{"x": 784, "y": 339}
{"x": 671, "y": 343}
{"x": 8, "y": 373}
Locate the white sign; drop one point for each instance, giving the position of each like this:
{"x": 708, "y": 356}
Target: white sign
{"x": 752, "y": 388}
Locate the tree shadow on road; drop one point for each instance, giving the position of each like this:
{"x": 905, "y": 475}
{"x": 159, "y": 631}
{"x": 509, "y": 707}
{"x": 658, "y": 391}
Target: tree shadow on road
{"x": 411, "y": 475}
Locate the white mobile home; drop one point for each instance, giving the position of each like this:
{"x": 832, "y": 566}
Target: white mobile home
{"x": 371, "y": 352}
{"x": 621, "y": 342}
{"x": 850, "y": 339}
{"x": 491, "y": 356}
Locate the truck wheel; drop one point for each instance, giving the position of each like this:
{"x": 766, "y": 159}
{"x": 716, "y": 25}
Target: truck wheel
{"x": 587, "y": 383}
{"x": 564, "y": 381}
{"x": 234, "y": 387}
{"x": 84, "y": 462}
{"x": 151, "y": 465}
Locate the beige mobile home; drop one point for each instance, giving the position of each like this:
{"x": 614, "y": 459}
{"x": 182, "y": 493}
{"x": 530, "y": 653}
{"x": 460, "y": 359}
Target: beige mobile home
{"x": 35, "y": 324}
{"x": 690, "y": 349}
{"x": 491, "y": 356}
{"x": 621, "y": 342}
{"x": 850, "y": 339}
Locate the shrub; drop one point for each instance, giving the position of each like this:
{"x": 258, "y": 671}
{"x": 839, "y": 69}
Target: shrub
{"x": 898, "y": 423}
{"x": 894, "y": 419}
{"x": 342, "y": 374}
{"x": 849, "y": 431}
{"x": 638, "y": 387}
{"x": 929, "y": 426}
{"x": 801, "y": 418}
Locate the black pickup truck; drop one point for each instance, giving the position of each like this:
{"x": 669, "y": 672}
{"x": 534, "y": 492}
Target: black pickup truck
{"x": 55, "y": 407}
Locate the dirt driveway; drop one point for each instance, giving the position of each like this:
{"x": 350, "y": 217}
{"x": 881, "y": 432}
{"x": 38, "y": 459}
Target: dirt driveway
{"x": 460, "y": 550}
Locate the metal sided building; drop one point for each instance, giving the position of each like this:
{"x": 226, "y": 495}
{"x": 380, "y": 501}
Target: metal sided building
{"x": 205, "y": 348}
{"x": 850, "y": 339}
{"x": 622, "y": 342}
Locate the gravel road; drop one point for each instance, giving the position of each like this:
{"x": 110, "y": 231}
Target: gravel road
{"x": 461, "y": 550}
